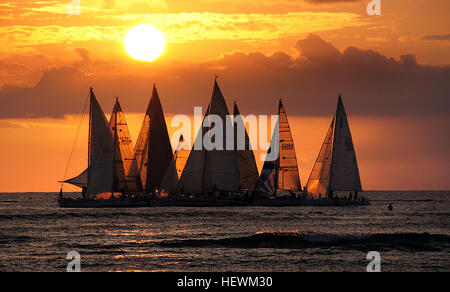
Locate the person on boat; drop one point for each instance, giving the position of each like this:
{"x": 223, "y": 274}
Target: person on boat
{"x": 390, "y": 207}
{"x": 350, "y": 197}
{"x": 356, "y": 195}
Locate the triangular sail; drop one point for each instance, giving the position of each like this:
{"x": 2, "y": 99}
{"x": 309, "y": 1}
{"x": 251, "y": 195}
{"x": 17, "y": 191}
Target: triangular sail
{"x": 153, "y": 149}
{"x": 268, "y": 180}
{"x": 318, "y": 182}
{"x": 101, "y": 150}
{"x": 248, "y": 171}
{"x": 80, "y": 180}
{"x": 288, "y": 177}
{"x": 127, "y": 177}
{"x": 336, "y": 168}
{"x": 344, "y": 168}
{"x": 175, "y": 168}
{"x": 207, "y": 171}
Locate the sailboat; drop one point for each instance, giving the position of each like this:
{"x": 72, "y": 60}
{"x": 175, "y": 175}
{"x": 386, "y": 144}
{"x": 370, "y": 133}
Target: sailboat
{"x": 153, "y": 149}
{"x": 214, "y": 177}
{"x": 279, "y": 176}
{"x": 111, "y": 178}
{"x": 211, "y": 171}
{"x": 336, "y": 169}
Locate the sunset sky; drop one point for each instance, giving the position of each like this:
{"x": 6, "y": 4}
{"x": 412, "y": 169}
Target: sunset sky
{"x": 393, "y": 71}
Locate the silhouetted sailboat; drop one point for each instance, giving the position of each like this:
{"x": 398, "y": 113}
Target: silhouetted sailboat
{"x": 209, "y": 171}
{"x": 280, "y": 170}
{"x": 109, "y": 180}
{"x": 153, "y": 149}
{"x": 336, "y": 168}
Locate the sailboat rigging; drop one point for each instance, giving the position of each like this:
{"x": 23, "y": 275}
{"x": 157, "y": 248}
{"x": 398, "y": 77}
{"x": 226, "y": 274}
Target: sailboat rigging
{"x": 106, "y": 178}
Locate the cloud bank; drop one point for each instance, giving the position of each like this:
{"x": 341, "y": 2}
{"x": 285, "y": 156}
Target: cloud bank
{"x": 371, "y": 84}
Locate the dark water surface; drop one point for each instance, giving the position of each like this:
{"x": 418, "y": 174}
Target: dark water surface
{"x": 36, "y": 235}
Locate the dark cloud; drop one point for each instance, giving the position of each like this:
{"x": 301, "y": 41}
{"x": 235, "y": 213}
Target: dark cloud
{"x": 371, "y": 84}
{"x": 53, "y": 96}
{"x": 437, "y": 37}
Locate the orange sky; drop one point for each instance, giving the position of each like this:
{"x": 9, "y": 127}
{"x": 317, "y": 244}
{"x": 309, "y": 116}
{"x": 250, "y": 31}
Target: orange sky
{"x": 393, "y": 71}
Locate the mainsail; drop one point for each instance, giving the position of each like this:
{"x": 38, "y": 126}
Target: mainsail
{"x": 209, "y": 170}
{"x": 280, "y": 173}
{"x": 101, "y": 151}
{"x": 288, "y": 178}
{"x": 127, "y": 177}
{"x": 336, "y": 168}
{"x": 153, "y": 149}
{"x": 248, "y": 171}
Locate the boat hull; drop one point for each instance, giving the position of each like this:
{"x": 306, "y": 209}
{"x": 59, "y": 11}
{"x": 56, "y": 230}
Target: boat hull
{"x": 71, "y": 203}
{"x": 182, "y": 202}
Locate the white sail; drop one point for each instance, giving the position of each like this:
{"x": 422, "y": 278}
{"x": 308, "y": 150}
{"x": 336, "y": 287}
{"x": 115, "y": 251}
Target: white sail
{"x": 336, "y": 168}
{"x": 127, "y": 177}
{"x": 153, "y": 149}
{"x": 248, "y": 171}
{"x": 211, "y": 170}
{"x": 344, "y": 168}
{"x": 101, "y": 149}
{"x": 288, "y": 177}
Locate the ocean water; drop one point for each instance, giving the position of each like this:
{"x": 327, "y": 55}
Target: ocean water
{"x": 36, "y": 235}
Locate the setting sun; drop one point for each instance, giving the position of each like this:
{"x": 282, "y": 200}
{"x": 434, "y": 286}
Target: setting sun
{"x": 145, "y": 43}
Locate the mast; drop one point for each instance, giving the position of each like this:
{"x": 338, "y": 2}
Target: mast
{"x": 89, "y": 136}
{"x": 329, "y": 190}
{"x": 114, "y": 148}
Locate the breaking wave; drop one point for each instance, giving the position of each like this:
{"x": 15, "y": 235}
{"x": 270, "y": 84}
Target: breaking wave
{"x": 290, "y": 240}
